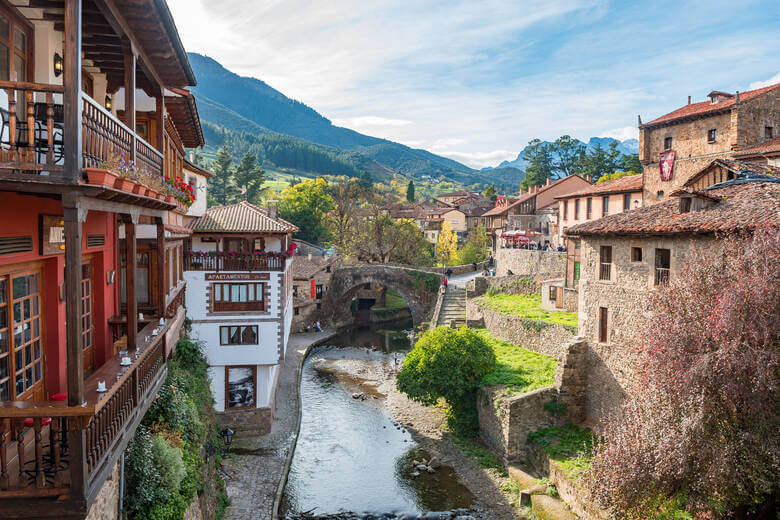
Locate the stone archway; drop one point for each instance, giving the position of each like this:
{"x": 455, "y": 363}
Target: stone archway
{"x": 419, "y": 289}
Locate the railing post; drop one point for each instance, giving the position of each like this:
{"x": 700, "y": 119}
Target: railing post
{"x": 72, "y": 137}
{"x": 130, "y": 65}
{"x": 130, "y": 278}
{"x": 161, "y": 267}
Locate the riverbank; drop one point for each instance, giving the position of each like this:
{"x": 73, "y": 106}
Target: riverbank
{"x": 254, "y": 465}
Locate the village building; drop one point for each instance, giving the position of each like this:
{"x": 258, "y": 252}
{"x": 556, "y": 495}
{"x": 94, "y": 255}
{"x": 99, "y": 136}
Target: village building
{"x": 311, "y": 281}
{"x": 678, "y": 144}
{"x": 91, "y": 285}
{"x": 626, "y": 256}
{"x": 454, "y": 197}
{"x": 475, "y": 216}
{"x": 240, "y": 302}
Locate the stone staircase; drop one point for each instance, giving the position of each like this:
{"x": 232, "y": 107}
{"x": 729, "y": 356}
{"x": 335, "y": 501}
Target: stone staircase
{"x": 453, "y": 307}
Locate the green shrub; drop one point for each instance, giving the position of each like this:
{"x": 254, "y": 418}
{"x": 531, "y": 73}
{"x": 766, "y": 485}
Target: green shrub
{"x": 168, "y": 461}
{"x": 143, "y": 482}
{"x": 569, "y": 445}
{"x": 449, "y": 364}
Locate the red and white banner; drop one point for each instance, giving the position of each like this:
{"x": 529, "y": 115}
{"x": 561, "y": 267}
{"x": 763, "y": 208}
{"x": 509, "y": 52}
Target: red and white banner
{"x": 666, "y": 164}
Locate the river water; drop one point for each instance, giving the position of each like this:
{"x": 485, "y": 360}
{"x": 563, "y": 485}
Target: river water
{"x": 351, "y": 456}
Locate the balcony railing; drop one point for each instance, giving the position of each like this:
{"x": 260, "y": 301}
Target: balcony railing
{"x": 31, "y": 132}
{"x": 605, "y": 271}
{"x": 196, "y": 261}
{"x": 661, "y": 276}
{"x": 39, "y": 460}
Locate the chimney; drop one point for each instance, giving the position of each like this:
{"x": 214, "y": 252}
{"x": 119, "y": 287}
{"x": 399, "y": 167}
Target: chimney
{"x": 273, "y": 209}
{"x": 736, "y": 98}
{"x": 689, "y": 100}
{"x": 639, "y": 119}
{"x": 529, "y": 189}
{"x": 549, "y": 181}
{"x": 309, "y": 257}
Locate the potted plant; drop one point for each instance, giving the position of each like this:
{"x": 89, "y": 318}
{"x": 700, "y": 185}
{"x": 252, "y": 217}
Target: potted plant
{"x": 101, "y": 177}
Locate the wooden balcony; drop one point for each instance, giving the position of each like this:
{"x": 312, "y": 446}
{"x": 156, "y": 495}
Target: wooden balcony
{"x": 196, "y": 261}
{"x": 32, "y": 133}
{"x": 60, "y": 463}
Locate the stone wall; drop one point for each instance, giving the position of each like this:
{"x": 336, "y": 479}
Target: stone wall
{"x": 501, "y": 284}
{"x": 612, "y": 365}
{"x": 536, "y": 264}
{"x": 106, "y": 504}
{"x": 545, "y": 338}
{"x": 253, "y": 421}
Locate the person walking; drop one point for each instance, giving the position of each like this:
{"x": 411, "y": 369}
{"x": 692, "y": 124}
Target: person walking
{"x": 317, "y": 326}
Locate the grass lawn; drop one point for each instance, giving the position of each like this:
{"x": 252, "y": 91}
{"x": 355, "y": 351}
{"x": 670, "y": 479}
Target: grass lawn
{"x": 528, "y": 306}
{"x": 394, "y": 302}
{"x": 521, "y": 370}
{"x": 569, "y": 445}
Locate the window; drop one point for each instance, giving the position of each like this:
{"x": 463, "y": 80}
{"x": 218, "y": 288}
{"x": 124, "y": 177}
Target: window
{"x": 712, "y": 134}
{"x": 15, "y": 55}
{"x": 659, "y": 193}
{"x": 552, "y": 293}
{"x": 603, "y": 318}
{"x": 668, "y": 143}
{"x": 636, "y": 254}
{"x": 769, "y": 132}
{"x": 565, "y": 210}
{"x": 240, "y": 387}
{"x": 589, "y": 210}
{"x": 663, "y": 259}
{"x": 576, "y": 270}
{"x": 238, "y": 297}
{"x": 296, "y": 311}
{"x": 318, "y": 291}
{"x": 319, "y": 306}
{"x": 605, "y": 206}
{"x": 21, "y": 342}
{"x": 86, "y": 318}
{"x": 627, "y": 202}
{"x": 605, "y": 263}
{"x": 295, "y": 291}
{"x": 576, "y": 209}
{"x": 685, "y": 204}
{"x": 238, "y": 335}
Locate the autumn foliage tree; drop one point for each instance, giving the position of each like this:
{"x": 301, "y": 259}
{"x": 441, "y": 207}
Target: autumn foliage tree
{"x": 701, "y": 431}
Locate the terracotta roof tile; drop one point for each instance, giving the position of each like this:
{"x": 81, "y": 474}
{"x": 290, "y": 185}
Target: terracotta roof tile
{"x": 744, "y": 204}
{"x": 523, "y": 197}
{"x": 305, "y": 269}
{"x": 772, "y": 145}
{"x": 704, "y": 107}
{"x": 629, "y": 183}
{"x": 736, "y": 167}
{"x": 240, "y": 218}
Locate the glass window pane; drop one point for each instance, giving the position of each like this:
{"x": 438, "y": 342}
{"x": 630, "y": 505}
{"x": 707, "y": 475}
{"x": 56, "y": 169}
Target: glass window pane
{"x": 235, "y": 335}
{"x": 35, "y": 310}
{"x": 20, "y": 68}
{"x": 3, "y": 317}
{"x": 37, "y": 372}
{"x": 28, "y": 355}
{"x": 27, "y": 333}
{"x": 3, "y": 342}
{"x": 260, "y": 292}
{"x": 4, "y": 27}
{"x": 3, "y": 367}
{"x": 242, "y": 290}
{"x": 3, "y": 291}
{"x": 36, "y": 328}
{"x": 5, "y": 68}
{"x": 223, "y": 333}
{"x": 4, "y": 392}
{"x": 26, "y": 306}
{"x": 28, "y": 377}
{"x": 18, "y": 335}
{"x": 19, "y": 384}
{"x": 37, "y": 349}
{"x": 20, "y": 40}
{"x": 142, "y": 285}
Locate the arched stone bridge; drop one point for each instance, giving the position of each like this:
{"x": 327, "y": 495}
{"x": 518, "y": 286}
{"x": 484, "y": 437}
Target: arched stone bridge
{"x": 418, "y": 288}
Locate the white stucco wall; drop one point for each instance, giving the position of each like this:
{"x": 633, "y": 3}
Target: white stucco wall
{"x": 198, "y": 207}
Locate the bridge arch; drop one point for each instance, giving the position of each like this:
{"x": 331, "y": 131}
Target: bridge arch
{"x": 419, "y": 289}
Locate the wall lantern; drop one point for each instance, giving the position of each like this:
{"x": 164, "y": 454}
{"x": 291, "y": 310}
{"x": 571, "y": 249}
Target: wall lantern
{"x": 59, "y": 64}
{"x": 110, "y": 277}
{"x": 109, "y": 104}
{"x": 227, "y": 436}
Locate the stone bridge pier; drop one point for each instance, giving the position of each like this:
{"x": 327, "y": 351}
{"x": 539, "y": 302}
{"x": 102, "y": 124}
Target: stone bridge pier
{"x": 418, "y": 288}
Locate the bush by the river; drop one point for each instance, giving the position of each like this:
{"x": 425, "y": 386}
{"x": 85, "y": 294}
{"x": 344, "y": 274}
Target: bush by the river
{"x": 164, "y": 469}
{"x": 448, "y": 364}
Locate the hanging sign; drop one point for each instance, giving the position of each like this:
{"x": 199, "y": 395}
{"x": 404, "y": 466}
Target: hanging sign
{"x": 236, "y": 277}
{"x": 666, "y": 164}
{"x": 52, "y": 235}
{"x": 313, "y": 289}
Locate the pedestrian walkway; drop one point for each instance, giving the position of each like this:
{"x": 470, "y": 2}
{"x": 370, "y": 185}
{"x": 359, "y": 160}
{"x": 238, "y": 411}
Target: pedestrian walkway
{"x": 453, "y": 307}
{"x": 255, "y": 464}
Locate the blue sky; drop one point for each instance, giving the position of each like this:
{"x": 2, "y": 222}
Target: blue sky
{"x": 475, "y": 81}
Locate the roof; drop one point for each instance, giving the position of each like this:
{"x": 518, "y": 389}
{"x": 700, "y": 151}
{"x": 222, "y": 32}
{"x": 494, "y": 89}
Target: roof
{"x": 461, "y": 193}
{"x": 743, "y": 204}
{"x": 627, "y": 184}
{"x": 184, "y": 111}
{"x": 197, "y": 169}
{"x": 240, "y": 218}
{"x": 305, "y": 269}
{"x": 770, "y": 146}
{"x": 737, "y": 167}
{"x": 477, "y": 211}
{"x": 498, "y": 210}
{"x": 708, "y": 107}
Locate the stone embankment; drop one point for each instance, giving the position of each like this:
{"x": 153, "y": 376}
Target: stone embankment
{"x": 459, "y": 514}
{"x": 536, "y": 264}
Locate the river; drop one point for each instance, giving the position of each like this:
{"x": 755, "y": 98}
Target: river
{"x": 351, "y": 456}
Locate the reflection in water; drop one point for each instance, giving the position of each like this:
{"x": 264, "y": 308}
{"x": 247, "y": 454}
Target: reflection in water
{"x": 387, "y": 337}
{"x": 350, "y": 456}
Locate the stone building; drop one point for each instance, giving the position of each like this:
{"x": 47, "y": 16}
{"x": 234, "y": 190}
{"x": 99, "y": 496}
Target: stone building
{"x": 238, "y": 269}
{"x": 676, "y": 145}
{"x": 627, "y": 256}
{"x": 311, "y": 280}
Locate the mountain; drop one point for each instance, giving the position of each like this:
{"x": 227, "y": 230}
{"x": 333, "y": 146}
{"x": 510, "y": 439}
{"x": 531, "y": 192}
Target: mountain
{"x": 244, "y": 105}
{"x": 628, "y": 147}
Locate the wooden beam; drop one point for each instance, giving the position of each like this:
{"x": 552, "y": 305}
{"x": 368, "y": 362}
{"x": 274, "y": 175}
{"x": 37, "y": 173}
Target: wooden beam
{"x": 72, "y": 134}
{"x": 130, "y": 97}
{"x": 161, "y": 267}
{"x": 130, "y": 281}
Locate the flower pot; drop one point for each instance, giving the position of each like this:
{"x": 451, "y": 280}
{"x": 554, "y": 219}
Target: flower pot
{"x": 170, "y": 199}
{"x": 101, "y": 177}
{"x": 138, "y": 188}
{"x": 124, "y": 184}
{"x": 160, "y": 196}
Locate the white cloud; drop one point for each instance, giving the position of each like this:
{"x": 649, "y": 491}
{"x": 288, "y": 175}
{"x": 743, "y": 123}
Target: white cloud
{"x": 771, "y": 81}
{"x": 370, "y": 121}
{"x": 621, "y": 134}
{"x": 479, "y": 160}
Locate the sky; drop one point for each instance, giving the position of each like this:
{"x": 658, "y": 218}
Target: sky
{"x": 476, "y": 80}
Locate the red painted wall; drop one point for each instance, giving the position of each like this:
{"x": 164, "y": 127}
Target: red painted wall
{"x": 19, "y": 215}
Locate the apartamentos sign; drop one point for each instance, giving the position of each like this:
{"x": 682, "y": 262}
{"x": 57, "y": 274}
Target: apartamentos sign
{"x": 236, "y": 277}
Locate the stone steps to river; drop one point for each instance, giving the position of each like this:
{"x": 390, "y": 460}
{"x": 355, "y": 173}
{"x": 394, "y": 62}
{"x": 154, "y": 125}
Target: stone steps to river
{"x": 453, "y": 307}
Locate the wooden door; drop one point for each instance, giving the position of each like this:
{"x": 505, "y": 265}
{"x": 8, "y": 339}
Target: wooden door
{"x": 87, "y": 323}
{"x": 603, "y": 315}
{"x": 559, "y": 297}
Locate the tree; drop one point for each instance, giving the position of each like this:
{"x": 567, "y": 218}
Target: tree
{"x": 249, "y": 177}
{"x": 540, "y": 164}
{"x": 410, "y": 191}
{"x": 630, "y": 163}
{"x": 222, "y": 186}
{"x": 476, "y": 248}
{"x": 305, "y": 205}
{"x": 345, "y": 193}
{"x": 613, "y": 176}
{"x": 568, "y": 154}
{"x": 491, "y": 193}
{"x": 366, "y": 182}
{"x": 448, "y": 363}
{"x": 599, "y": 161}
{"x": 447, "y": 245}
{"x": 701, "y": 430}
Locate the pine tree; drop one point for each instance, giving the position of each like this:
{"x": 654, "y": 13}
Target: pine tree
{"x": 410, "y": 191}
{"x": 222, "y": 187}
{"x": 250, "y": 178}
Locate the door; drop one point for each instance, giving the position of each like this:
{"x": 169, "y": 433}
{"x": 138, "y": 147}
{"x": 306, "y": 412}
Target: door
{"x": 87, "y": 324}
{"x": 559, "y": 297}
{"x": 603, "y": 315}
{"x": 21, "y": 341}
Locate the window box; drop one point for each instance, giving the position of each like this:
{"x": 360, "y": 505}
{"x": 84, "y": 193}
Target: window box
{"x": 101, "y": 177}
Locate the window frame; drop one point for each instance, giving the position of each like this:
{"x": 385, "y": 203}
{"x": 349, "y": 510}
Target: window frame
{"x": 589, "y": 208}
{"x": 603, "y": 325}
{"x": 605, "y": 205}
{"x": 566, "y": 209}
{"x": 712, "y": 135}
{"x": 627, "y": 202}
{"x": 668, "y": 143}
{"x": 250, "y": 305}
{"x": 634, "y": 256}
{"x": 662, "y": 274}
{"x": 227, "y": 388}
{"x": 576, "y": 209}
{"x": 605, "y": 268}
{"x": 240, "y": 333}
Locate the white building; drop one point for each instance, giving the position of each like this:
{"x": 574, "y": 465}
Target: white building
{"x": 240, "y": 302}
